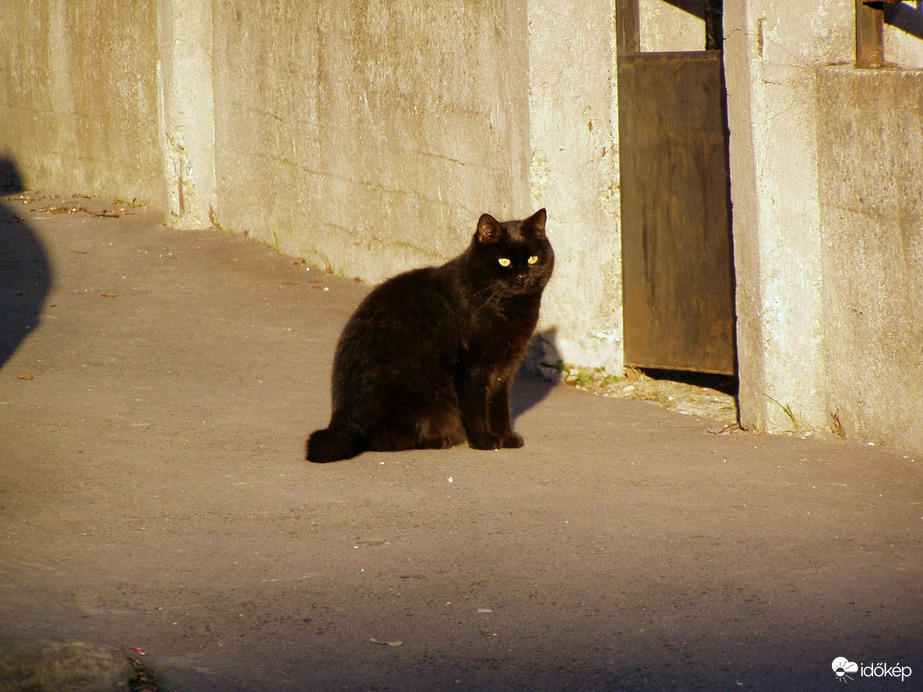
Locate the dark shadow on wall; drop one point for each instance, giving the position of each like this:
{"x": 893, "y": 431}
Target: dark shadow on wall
{"x": 694, "y": 7}
{"x": 25, "y": 271}
{"x": 904, "y": 17}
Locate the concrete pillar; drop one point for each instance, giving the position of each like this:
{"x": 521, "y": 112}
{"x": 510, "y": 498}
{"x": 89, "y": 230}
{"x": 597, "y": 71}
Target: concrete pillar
{"x": 574, "y": 173}
{"x": 771, "y": 51}
{"x": 187, "y": 111}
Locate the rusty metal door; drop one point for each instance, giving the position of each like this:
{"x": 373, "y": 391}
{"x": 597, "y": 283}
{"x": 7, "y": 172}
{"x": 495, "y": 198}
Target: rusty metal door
{"x": 677, "y": 264}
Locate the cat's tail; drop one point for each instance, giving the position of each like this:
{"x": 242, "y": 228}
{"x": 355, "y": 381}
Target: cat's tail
{"x": 335, "y": 443}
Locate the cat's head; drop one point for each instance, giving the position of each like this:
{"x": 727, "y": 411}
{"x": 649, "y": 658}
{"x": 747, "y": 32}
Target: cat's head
{"x": 514, "y": 256}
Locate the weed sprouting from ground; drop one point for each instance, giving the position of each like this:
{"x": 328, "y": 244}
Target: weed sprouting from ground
{"x": 797, "y": 423}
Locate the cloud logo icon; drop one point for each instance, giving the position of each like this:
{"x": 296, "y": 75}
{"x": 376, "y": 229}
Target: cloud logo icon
{"x": 841, "y": 666}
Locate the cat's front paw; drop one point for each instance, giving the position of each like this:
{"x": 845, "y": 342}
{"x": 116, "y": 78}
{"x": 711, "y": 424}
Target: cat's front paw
{"x": 513, "y": 441}
{"x": 485, "y": 441}
{"x": 490, "y": 441}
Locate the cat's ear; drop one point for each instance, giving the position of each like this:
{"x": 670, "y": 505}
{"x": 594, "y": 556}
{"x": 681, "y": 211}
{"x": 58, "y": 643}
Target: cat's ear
{"x": 535, "y": 224}
{"x": 489, "y": 230}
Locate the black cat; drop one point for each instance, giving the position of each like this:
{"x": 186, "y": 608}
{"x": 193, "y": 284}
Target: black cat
{"x": 427, "y": 359}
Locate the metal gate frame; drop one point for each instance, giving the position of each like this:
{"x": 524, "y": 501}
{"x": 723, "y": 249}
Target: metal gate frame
{"x": 677, "y": 250}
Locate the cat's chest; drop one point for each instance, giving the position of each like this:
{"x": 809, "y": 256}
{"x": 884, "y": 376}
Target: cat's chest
{"x": 495, "y": 334}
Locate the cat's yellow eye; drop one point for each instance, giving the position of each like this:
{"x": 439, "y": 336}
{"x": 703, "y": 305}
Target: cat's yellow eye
{"x": 504, "y": 262}
{"x": 533, "y": 259}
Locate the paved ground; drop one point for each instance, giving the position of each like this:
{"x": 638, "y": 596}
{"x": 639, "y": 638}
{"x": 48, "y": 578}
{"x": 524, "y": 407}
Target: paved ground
{"x": 153, "y": 496}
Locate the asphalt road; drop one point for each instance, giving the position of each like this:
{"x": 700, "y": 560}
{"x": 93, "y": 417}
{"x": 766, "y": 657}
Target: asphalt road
{"x": 156, "y": 390}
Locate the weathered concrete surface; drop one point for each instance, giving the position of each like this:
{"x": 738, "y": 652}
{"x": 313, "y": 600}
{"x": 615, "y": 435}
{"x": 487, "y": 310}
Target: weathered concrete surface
{"x": 186, "y": 117}
{"x": 153, "y": 495}
{"x": 78, "y": 97}
{"x": 667, "y": 27}
{"x": 573, "y": 115}
{"x": 771, "y": 52}
{"x": 871, "y": 198}
{"x": 352, "y": 123}
{"x": 827, "y": 226}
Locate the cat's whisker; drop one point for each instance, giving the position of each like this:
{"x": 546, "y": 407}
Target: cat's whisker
{"x": 494, "y": 293}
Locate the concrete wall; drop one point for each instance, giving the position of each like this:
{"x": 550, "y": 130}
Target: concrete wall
{"x": 370, "y": 136}
{"x": 870, "y": 151}
{"x": 827, "y": 226}
{"x": 78, "y": 97}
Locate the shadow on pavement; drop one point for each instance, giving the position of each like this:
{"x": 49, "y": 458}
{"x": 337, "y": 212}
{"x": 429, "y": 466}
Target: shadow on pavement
{"x": 530, "y": 387}
{"x": 25, "y": 271}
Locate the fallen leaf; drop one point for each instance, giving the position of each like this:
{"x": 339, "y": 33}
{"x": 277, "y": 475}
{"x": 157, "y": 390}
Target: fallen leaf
{"x": 384, "y": 643}
{"x": 24, "y": 377}
{"x": 109, "y": 295}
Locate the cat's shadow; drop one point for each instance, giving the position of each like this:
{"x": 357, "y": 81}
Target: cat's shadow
{"x": 528, "y": 391}
{"x": 531, "y": 386}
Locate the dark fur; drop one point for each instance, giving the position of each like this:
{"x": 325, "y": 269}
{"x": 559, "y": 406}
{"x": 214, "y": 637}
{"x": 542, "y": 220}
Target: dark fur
{"x": 427, "y": 359}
